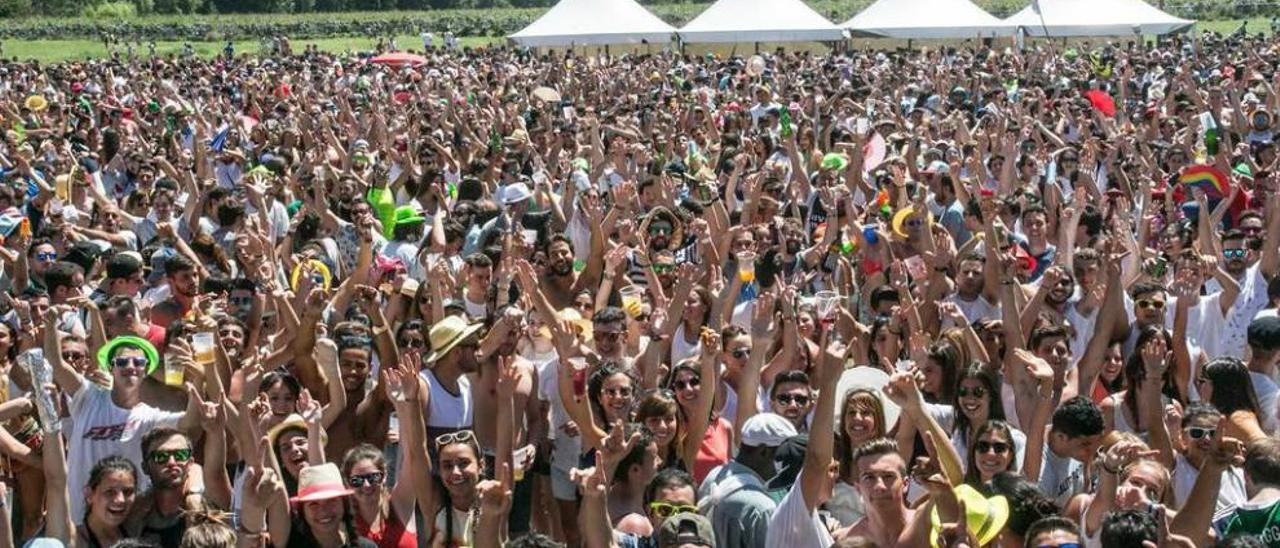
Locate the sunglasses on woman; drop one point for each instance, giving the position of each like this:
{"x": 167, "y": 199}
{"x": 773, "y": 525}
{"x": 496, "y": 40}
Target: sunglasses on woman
{"x": 690, "y": 384}
{"x": 998, "y": 447}
{"x": 977, "y": 392}
{"x": 361, "y": 480}
{"x": 1197, "y": 433}
{"x": 461, "y": 436}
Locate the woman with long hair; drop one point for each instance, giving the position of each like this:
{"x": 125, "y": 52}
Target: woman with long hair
{"x": 109, "y": 497}
{"x": 1225, "y": 383}
{"x": 977, "y": 403}
{"x": 1121, "y": 409}
{"x": 994, "y": 450}
{"x": 383, "y": 515}
{"x": 861, "y": 420}
{"x": 705, "y": 437}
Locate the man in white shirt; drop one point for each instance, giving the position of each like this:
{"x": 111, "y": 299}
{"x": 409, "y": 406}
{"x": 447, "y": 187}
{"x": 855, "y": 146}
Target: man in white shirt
{"x": 1264, "y": 351}
{"x": 110, "y": 421}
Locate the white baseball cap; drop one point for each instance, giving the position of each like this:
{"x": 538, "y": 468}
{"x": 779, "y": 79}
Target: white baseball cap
{"x": 767, "y": 430}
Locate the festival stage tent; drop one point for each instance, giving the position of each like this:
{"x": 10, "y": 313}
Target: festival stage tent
{"x": 924, "y": 19}
{"x": 760, "y": 21}
{"x": 1059, "y": 18}
{"x": 594, "y": 22}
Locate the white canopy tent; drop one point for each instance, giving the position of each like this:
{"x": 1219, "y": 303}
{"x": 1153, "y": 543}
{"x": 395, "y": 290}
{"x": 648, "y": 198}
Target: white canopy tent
{"x": 594, "y": 22}
{"x": 916, "y": 19}
{"x": 1059, "y": 18}
{"x": 760, "y": 21}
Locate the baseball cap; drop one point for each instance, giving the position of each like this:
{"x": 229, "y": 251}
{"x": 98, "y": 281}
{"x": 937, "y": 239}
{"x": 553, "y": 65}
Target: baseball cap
{"x": 1264, "y": 333}
{"x": 124, "y": 264}
{"x": 686, "y": 528}
{"x": 767, "y": 430}
{"x": 84, "y": 253}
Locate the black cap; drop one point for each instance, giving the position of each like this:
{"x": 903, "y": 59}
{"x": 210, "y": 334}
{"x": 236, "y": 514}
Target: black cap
{"x": 124, "y": 265}
{"x": 1264, "y": 334}
{"x": 790, "y": 459}
{"x": 84, "y": 254}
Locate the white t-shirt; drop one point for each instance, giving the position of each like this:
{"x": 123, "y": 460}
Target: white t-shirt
{"x": 1205, "y": 322}
{"x": 1267, "y": 390}
{"x": 1060, "y": 477}
{"x": 977, "y": 309}
{"x": 565, "y": 449}
{"x": 794, "y": 524}
{"x": 100, "y": 429}
{"x": 1231, "y": 493}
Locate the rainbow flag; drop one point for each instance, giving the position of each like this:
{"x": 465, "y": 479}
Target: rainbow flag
{"x": 1215, "y": 184}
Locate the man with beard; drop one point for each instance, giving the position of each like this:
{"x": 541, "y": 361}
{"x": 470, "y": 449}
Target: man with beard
{"x": 120, "y": 317}
{"x": 559, "y": 280}
{"x": 451, "y": 403}
{"x": 975, "y": 285}
{"x": 177, "y": 487}
{"x": 1251, "y": 270}
{"x": 501, "y": 341}
{"x": 184, "y": 285}
{"x": 110, "y": 421}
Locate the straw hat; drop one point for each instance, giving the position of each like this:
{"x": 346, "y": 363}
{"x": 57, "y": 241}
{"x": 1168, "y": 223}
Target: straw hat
{"x": 448, "y": 333}
{"x": 36, "y": 103}
{"x": 320, "y": 482}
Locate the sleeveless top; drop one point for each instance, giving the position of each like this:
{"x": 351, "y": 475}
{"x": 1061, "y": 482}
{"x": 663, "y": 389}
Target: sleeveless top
{"x": 394, "y": 534}
{"x": 449, "y": 412}
{"x": 716, "y": 449}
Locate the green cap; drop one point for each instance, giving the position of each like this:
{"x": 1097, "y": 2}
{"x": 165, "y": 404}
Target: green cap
{"x": 408, "y": 215}
{"x": 149, "y": 350}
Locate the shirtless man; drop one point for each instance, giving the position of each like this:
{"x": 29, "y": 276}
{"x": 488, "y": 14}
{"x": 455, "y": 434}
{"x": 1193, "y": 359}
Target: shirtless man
{"x": 882, "y": 485}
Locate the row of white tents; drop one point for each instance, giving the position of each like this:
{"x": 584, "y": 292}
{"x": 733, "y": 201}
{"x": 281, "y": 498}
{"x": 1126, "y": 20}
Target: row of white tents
{"x": 602, "y": 22}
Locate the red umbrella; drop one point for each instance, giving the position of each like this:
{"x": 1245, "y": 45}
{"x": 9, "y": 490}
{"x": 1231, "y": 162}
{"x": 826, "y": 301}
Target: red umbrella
{"x": 399, "y": 59}
{"x": 1102, "y": 102}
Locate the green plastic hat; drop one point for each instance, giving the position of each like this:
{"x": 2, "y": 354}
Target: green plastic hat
{"x": 149, "y": 350}
{"x": 835, "y": 161}
{"x": 408, "y": 215}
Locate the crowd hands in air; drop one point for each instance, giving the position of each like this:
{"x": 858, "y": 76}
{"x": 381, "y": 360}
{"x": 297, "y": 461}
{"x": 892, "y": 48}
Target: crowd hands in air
{"x": 957, "y": 297}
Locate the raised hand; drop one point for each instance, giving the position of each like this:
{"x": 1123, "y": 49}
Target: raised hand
{"x": 762, "y": 324}
{"x": 309, "y": 408}
{"x": 903, "y": 390}
{"x": 1155, "y": 358}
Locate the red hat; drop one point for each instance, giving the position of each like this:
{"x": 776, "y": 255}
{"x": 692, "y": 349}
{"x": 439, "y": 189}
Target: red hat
{"x": 320, "y": 482}
{"x": 77, "y": 87}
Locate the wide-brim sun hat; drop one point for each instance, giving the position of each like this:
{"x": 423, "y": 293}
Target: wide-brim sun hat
{"x": 448, "y": 333}
{"x": 148, "y": 350}
{"x": 986, "y": 517}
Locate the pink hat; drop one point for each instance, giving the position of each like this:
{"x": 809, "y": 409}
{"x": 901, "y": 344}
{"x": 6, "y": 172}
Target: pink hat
{"x": 320, "y": 482}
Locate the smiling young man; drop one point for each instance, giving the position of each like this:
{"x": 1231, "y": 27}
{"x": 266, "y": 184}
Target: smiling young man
{"x": 109, "y": 421}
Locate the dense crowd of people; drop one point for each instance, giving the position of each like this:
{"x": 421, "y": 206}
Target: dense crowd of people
{"x": 960, "y": 296}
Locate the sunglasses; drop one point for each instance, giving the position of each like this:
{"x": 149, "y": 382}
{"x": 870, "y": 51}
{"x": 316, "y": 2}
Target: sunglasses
{"x": 414, "y": 343}
{"x": 608, "y": 335}
{"x": 664, "y": 510}
{"x": 162, "y": 457}
{"x": 1150, "y": 303}
{"x": 642, "y": 318}
{"x": 461, "y": 436}
{"x": 1234, "y": 253}
{"x": 662, "y": 268}
{"x": 46, "y": 256}
{"x": 618, "y": 392}
{"x": 371, "y": 479}
{"x": 73, "y": 356}
{"x": 977, "y": 392}
{"x": 788, "y": 399}
{"x": 998, "y": 447}
{"x": 659, "y": 230}
{"x": 125, "y": 361}
{"x": 1198, "y": 433}
{"x": 690, "y": 384}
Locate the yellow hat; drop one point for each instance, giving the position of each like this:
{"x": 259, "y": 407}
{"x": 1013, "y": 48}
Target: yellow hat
{"x": 36, "y": 103}
{"x": 986, "y": 517}
{"x": 900, "y": 218}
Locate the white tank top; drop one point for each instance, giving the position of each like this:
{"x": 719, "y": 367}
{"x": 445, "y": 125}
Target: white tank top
{"x": 448, "y": 411}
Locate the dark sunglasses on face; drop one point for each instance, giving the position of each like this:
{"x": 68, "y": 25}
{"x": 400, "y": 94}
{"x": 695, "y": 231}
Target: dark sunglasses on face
{"x": 162, "y": 457}
{"x": 690, "y": 384}
{"x": 1234, "y": 253}
{"x": 1197, "y": 433}
{"x": 125, "y": 361}
{"x": 361, "y": 480}
{"x": 1150, "y": 303}
{"x": 788, "y": 399}
{"x": 414, "y": 343}
{"x": 998, "y": 447}
{"x": 46, "y": 256}
{"x": 608, "y": 335}
{"x": 73, "y": 356}
{"x": 976, "y": 392}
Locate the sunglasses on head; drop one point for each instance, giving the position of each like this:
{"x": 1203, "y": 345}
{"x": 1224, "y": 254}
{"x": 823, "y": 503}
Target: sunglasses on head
{"x": 126, "y": 361}
{"x": 461, "y": 436}
{"x": 1150, "y": 303}
{"x": 976, "y": 392}
{"x": 665, "y": 510}
{"x": 1197, "y": 433}
{"x": 361, "y": 480}
{"x": 788, "y": 399}
{"x": 998, "y": 447}
{"x": 162, "y": 457}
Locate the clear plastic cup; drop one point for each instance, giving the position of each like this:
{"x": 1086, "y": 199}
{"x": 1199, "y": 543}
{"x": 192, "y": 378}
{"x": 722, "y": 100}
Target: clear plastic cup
{"x": 202, "y": 346}
{"x": 747, "y": 266}
{"x": 631, "y": 298}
